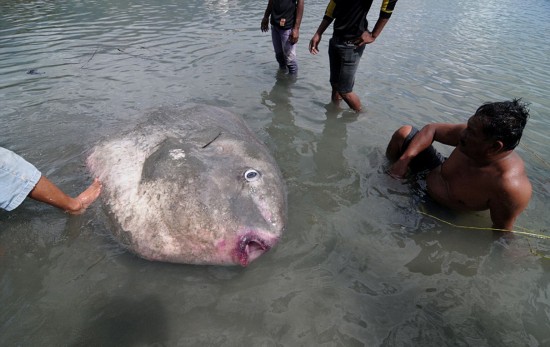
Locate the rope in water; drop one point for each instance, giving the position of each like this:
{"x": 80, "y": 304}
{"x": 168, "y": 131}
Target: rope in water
{"x": 526, "y": 231}
{"x": 535, "y": 154}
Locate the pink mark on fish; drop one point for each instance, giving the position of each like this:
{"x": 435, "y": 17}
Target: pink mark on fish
{"x": 250, "y": 246}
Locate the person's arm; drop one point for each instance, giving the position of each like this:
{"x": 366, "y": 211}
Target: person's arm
{"x": 511, "y": 199}
{"x": 47, "y": 192}
{"x": 327, "y": 20}
{"x": 267, "y": 14}
{"x": 448, "y": 134}
{"x": 386, "y": 10}
{"x": 295, "y": 32}
{"x": 314, "y": 42}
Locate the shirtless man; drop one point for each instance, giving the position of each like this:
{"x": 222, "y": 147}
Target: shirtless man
{"x": 20, "y": 179}
{"x": 483, "y": 171}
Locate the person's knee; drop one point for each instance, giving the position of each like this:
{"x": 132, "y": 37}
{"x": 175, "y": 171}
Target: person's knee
{"x": 352, "y": 100}
{"x": 402, "y": 132}
{"x": 346, "y": 95}
{"x": 349, "y": 97}
{"x": 398, "y": 138}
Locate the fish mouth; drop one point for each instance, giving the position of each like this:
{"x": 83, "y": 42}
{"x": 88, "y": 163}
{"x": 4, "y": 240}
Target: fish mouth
{"x": 250, "y": 247}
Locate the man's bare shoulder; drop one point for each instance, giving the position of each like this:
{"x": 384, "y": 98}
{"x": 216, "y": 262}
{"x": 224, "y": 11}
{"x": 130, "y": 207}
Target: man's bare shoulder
{"x": 511, "y": 193}
{"x": 513, "y": 183}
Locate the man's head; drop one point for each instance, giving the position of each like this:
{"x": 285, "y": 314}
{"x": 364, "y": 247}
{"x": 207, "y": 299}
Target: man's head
{"x": 503, "y": 121}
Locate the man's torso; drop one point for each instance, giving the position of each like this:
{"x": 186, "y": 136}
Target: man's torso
{"x": 283, "y": 13}
{"x": 350, "y": 17}
{"x": 460, "y": 185}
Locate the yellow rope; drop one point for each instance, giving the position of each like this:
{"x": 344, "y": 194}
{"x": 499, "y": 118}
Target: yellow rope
{"x": 526, "y": 233}
{"x": 533, "y": 252}
{"x": 535, "y": 154}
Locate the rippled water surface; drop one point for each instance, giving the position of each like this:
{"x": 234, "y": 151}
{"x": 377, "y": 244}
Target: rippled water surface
{"x": 358, "y": 265}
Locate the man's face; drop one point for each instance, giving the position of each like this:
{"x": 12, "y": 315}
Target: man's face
{"x": 473, "y": 141}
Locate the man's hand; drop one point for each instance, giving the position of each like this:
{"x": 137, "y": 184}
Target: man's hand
{"x": 399, "y": 169}
{"x": 364, "y": 39}
{"x": 314, "y": 44}
{"x": 294, "y": 36}
{"x": 265, "y": 24}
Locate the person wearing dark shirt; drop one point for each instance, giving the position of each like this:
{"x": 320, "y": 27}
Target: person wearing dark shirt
{"x": 350, "y": 35}
{"x": 286, "y": 17}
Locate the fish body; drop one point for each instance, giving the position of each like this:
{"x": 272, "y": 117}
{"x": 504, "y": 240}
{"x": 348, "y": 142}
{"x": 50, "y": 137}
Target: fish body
{"x": 192, "y": 185}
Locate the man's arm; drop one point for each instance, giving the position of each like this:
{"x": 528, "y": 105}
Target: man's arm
{"x": 510, "y": 200}
{"x": 314, "y": 42}
{"x": 369, "y": 37}
{"x": 448, "y": 134}
{"x": 265, "y": 20}
{"x": 47, "y": 192}
{"x": 386, "y": 10}
{"x": 295, "y": 32}
{"x": 327, "y": 20}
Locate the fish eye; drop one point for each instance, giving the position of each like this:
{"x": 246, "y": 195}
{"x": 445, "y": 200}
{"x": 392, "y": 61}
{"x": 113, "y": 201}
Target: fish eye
{"x": 251, "y": 175}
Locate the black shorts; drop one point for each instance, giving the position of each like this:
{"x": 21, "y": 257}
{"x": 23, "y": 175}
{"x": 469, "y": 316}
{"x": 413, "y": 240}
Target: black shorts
{"x": 428, "y": 159}
{"x": 344, "y": 59}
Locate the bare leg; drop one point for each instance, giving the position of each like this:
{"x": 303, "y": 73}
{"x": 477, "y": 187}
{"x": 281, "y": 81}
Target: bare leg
{"x": 352, "y": 100}
{"x": 47, "y": 192}
{"x": 336, "y": 97}
{"x": 393, "y": 152}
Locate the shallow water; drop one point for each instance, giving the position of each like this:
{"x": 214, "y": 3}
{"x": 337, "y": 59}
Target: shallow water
{"x": 358, "y": 265}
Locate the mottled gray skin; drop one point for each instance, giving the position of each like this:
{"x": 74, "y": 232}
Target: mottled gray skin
{"x": 177, "y": 190}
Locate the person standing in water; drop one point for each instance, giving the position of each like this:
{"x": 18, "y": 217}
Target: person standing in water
{"x": 286, "y": 17}
{"x": 348, "y": 42}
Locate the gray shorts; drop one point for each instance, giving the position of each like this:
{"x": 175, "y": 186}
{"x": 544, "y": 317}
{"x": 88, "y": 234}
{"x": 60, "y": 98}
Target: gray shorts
{"x": 428, "y": 159}
{"x": 17, "y": 178}
{"x": 344, "y": 59}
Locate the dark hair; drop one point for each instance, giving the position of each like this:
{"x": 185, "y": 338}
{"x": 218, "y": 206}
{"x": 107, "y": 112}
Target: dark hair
{"x": 504, "y": 121}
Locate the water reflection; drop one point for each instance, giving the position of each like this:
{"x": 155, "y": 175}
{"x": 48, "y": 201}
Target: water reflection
{"x": 282, "y": 127}
{"x": 222, "y": 6}
{"x": 120, "y": 320}
{"x": 446, "y": 252}
{"x": 319, "y": 166}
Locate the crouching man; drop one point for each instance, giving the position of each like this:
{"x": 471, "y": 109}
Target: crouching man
{"x": 483, "y": 171}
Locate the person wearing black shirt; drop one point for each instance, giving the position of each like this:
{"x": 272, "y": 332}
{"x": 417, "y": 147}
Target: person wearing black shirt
{"x": 286, "y": 17}
{"x": 348, "y": 42}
